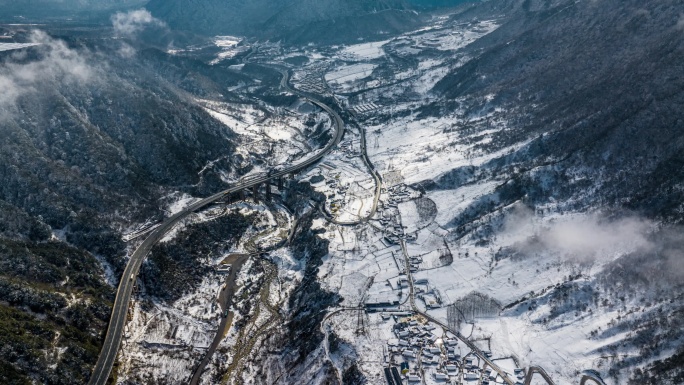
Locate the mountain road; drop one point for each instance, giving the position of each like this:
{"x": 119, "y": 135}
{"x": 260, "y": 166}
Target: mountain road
{"x": 117, "y": 321}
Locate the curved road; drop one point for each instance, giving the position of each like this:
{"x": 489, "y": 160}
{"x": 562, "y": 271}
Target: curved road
{"x": 537, "y": 369}
{"x": 461, "y": 337}
{"x": 364, "y": 154}
{"x": 117, "y": 321}
{"x": 378, "y": 188}
{"x": 588, "y": 376}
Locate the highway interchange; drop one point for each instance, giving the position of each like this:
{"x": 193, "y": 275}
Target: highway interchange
{"x": 117, "y": 320}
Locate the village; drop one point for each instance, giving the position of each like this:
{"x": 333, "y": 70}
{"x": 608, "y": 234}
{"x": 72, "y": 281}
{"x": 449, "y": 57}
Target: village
{"x": 421, "y": 352}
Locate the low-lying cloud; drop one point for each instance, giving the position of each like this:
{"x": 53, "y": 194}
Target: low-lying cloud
{"x": 132, "y": 22}
{"x": 579, "y": 238}
{"x": 57, "y": 65}
{"x": 592, "y": 237}
{"x": 588, "y": 238}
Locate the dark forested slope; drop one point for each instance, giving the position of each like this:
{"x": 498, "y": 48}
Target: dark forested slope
{"x": 92, "y": 135}
{"x": 591, "y": 93}
{"x": 598, "y": 86}
{"x": 296, "y": 21}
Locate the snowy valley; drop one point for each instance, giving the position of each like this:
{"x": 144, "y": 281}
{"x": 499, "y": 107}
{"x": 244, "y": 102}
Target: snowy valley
{"x": 445, "y": 267}
{"x": 416, "y": 192}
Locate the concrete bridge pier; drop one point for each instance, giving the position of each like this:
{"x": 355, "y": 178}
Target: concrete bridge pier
{"x": 255, "y": 192}
{"x": 268, "y": 190}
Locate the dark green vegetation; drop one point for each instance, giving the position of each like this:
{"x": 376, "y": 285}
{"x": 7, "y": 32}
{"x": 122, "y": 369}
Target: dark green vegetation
{"x": 174, "y": 268}
{"x": 300, "y": 334}
{"x": 472, "y": 306}
{"x": 54, "y": 304}
{"x": 309, "y": 300}
{"x": 54, "y": 307}
{"x": 597, "y": 87}
{"x": 90, "y": 141}
{"x": 75, "y": 151}
{"x": 353, "y": 376}
{"x": 663, "y": 372}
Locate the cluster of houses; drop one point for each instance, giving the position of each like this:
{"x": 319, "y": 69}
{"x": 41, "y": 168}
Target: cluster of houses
{"x": 414, "y": 264}
{"x": 426, "y": 293}
{"x": 348, "y": 149}
{"x": 421, "y": 349}
{"x": 313, "y": 81}
{"x": 420, "y": 345}
{"x": 457, "y": 370}
{"x": 336, "y": 198}
{"x": 365, "y": 108}
{"x": 391, "y": 226}
{"x": 389, "y": 219}
{"x": 414, "y": 345}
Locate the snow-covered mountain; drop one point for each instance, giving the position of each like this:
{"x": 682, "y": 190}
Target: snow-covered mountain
{"x": 507, "y": 198}
{"x": 529, "y": 151}
{"x": 55, "y": 9}
{"x": 298, "y": 21}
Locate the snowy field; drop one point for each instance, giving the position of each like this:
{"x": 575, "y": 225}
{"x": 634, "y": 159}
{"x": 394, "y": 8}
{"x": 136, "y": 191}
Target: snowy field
{"x": 230, "y": 46}
{"x": 165, "y": 341}
{"x": 452, "y": 39}
{"x": 349, "y": 73}
{"x": 281, "y": 136}
{"x": 420, "y": 238}
{"x": 367, "y": 267}
{"x": 364, "y": 51}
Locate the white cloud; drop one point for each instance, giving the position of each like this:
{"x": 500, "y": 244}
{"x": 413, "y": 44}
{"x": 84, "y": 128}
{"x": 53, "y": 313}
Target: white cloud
{"x": 58, "y": 65}
{"x": 126, "y": 51}
{"x": 578, "y": 238}
{"x": 586, "y": 238}
{"x": 595, "y": 238}
{"x": 680, "y": 23}
{"x": 132, "y": 22}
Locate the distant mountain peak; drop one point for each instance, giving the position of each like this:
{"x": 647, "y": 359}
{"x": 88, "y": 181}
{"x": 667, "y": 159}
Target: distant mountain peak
{"x": 293, "y": 20}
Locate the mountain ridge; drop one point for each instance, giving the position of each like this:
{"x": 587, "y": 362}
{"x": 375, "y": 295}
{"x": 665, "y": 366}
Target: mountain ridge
{"x": 296, "y": 21}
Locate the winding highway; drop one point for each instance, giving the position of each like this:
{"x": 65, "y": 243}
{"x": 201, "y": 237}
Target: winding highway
{"x": 117, "y": 321}
{"x": 378, "y": 187}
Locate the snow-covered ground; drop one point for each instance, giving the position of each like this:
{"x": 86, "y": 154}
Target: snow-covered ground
{"x": 367, "y": 267}
{"x": 344, "y": 179}
{"x": 349, "y": 73}
{"x": 367, "y": 51}
{"x": 230, "y": 46}
{"x": 277, "y": 135}
{"x": 542, "y": 296}
{"x": 165, "y": 341}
